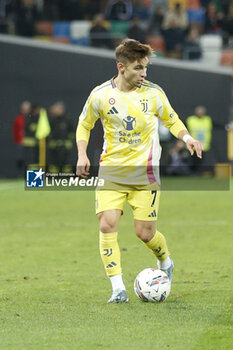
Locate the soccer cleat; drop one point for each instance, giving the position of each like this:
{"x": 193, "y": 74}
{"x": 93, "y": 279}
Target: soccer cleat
{"x": 119, "y": 296}
{"x": 169, "y": 270}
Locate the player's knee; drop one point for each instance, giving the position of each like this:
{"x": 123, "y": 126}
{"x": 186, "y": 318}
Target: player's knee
{"x": 145, "y": 236}
{"x": 107, "y": 226}
{"x": 108, "y": 221}
{"x": 145, "y": 231}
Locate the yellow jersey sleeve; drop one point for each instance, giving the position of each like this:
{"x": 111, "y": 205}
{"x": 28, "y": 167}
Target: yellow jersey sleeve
{"x": 88, "y": 118}
{"x": 168, "y": 116}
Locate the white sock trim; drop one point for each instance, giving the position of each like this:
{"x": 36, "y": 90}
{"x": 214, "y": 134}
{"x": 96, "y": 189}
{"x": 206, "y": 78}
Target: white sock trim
{"x": 165, "y": 264}
{"x": 117, "y": 282}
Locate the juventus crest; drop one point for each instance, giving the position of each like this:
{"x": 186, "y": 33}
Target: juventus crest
{"x": 144, "y": 104}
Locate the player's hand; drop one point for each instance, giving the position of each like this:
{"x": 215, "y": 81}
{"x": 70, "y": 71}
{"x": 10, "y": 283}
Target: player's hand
{"x": 195, "y": 145}
{"x": 83, "y": 166}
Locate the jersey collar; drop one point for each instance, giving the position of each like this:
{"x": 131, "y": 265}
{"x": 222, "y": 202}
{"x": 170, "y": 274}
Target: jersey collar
{"x": 113, "y": 82}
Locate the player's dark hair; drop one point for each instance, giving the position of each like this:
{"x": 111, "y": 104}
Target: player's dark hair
{"x": 132, "y": 50}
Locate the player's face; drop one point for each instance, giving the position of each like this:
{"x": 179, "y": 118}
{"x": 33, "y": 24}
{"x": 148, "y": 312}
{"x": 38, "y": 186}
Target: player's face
{"x": 134, "y": 73}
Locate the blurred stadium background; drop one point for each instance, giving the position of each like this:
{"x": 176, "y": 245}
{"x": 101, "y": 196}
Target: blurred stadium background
{"x": 59, "y": 50}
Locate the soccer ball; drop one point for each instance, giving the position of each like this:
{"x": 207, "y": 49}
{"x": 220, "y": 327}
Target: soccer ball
{"x": 152, "y": 285}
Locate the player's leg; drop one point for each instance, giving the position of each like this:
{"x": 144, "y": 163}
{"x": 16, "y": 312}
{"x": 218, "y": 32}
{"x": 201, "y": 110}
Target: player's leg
{"x": 108, "y": 243}
{"x": 145, "y": 206}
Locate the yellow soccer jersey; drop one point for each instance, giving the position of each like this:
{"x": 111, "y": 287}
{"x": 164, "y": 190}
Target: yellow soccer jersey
{"x": 131, "y": 149}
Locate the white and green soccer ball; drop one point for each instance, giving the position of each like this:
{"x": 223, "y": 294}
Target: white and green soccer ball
{"x": 152, "y": 285}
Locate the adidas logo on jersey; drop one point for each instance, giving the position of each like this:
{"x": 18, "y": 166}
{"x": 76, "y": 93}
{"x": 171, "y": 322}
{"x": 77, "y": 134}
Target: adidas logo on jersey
{"x": 113, "y": 111}
{"x": 152, "y": 215}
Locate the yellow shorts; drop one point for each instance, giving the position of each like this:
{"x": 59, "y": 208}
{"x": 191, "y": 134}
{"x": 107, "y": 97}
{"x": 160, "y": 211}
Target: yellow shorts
{"x": 145, "y": 204}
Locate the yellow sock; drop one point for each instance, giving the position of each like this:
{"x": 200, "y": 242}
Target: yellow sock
{"x": 159, "y": 246}
{"x": 110, "y": 253}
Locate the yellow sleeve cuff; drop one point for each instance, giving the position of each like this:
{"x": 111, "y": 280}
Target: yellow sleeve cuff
{"x": 177, "y": 127}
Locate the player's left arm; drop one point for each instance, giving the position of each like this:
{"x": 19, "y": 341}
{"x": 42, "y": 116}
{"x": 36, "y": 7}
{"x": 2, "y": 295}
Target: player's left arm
{"x": 191, "y": 144}
{"x": 171, "y": 120}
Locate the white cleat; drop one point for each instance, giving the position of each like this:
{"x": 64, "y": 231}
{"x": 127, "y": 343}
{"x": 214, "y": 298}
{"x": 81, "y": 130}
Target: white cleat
{"x": 119, "y": 296}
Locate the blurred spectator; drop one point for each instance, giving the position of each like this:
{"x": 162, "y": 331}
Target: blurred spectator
{"x": 99, "y": 34}
{"x": 155, "y": 26}
{"x": 18, "y": 134}
{"x": 26, "y": 16}
{"x": 192, "y": 48}
{"x": 89, "y": 8}
{"x": 140, "y": 10}
{"x": 159, "y": 3}
{"x": 174, "y": 27}
{"x": 205, "y": 3}
{"x": 68, "y": 10}
{"x": 227, "y": 27}
{"x": 40, "y": 5}
{"x": 6, "y": 17}
{"x": 136, "y": 31}
{"x": 119, "y": 10}
{"x": 77, "y": 9}
{"x": 213, "y": 19}
{"x": 200, "y": 127}
{"x": 225, "y": 6}
{"x": 176, "y": 17}
{"x": 4, "y": 8}
{"x": 30, "y": 142}
{"x": 60, "y": 140}
{"x": 51, "y": 10}
{"x": 220, "y": 4}
{"x": 179, "y": 160}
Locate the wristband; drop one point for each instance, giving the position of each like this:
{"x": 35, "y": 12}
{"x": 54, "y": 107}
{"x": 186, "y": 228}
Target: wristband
{"x": 186, "y": 137}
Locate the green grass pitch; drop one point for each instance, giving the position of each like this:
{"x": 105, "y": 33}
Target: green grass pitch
{"x": 53, "y": 289}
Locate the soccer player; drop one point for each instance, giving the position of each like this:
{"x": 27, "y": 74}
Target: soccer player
{"x": 129, "y": 107}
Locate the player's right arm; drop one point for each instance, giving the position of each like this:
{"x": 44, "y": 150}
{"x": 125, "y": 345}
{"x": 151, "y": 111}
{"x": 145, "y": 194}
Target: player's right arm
{"x": 87, "y": 119}
{"x": 83, "y": 163}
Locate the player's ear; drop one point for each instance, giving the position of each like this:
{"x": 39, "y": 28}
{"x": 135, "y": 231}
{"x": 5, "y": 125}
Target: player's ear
{"x": 120, "y": 67}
